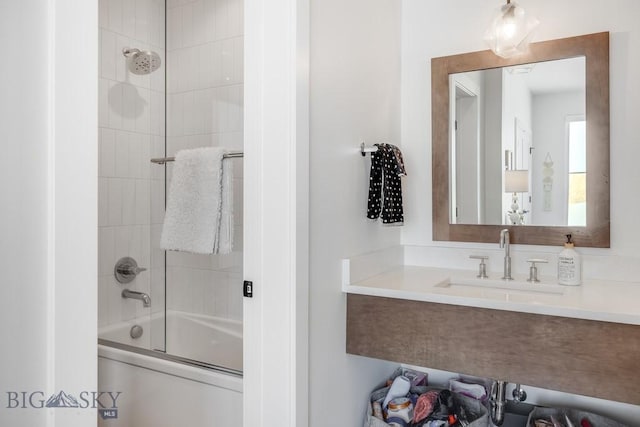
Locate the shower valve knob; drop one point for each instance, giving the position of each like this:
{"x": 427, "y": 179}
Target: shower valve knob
{"x": 127, "y": 269}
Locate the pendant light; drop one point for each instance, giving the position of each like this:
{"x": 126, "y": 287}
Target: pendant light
{"x": 510, "y": 31}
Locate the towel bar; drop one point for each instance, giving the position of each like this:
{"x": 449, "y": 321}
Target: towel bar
{"x": 364, "y": 149}
{"x": 229, "y": 155}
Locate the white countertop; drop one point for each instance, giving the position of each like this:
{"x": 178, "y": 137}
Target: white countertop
{"x": 607, "y": 301}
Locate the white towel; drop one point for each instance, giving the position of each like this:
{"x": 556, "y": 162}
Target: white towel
{"x": 199, "y": 214}
{"x": 224, "y": 238}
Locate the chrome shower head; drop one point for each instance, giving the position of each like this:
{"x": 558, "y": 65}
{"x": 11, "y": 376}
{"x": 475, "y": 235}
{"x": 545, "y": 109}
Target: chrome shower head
{"x": 141, "y": 61}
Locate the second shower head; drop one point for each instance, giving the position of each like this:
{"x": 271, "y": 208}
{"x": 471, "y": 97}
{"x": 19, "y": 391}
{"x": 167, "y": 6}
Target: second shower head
{"x": 141, "y": 61}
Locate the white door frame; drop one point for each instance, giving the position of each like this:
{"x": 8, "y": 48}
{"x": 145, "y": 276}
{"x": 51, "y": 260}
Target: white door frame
{"x": 49, "y": 134}
{"x": 276, "y": 224}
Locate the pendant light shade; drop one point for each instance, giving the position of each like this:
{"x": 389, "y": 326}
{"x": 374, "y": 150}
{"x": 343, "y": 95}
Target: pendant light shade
{"x": 511, "y": 31}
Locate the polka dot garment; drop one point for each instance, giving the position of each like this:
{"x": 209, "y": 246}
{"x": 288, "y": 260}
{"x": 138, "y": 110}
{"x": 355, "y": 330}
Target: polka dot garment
{"x": 385, "y": 186}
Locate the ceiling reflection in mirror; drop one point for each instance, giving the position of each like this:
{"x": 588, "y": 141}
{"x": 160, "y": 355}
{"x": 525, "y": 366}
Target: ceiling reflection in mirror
{"x": 518, "y": 145}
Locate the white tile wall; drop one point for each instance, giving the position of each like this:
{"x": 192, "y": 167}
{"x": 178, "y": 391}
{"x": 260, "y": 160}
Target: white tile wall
{"x": 204, "y": 108}
{"x": 131, "y": 120}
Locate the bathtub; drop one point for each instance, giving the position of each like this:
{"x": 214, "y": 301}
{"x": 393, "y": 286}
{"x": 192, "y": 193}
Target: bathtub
{"x": 180, "y": 387}
{"x": 209, "y": 341}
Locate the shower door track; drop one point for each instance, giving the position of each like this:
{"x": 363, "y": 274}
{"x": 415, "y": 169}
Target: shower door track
{"x": 159, "y": 354}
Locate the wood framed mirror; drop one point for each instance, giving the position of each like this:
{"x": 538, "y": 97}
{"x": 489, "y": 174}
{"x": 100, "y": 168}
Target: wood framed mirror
{"x": 594, "y": 48}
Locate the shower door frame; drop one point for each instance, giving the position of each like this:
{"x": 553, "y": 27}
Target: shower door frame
{"x": 276, "y": 234}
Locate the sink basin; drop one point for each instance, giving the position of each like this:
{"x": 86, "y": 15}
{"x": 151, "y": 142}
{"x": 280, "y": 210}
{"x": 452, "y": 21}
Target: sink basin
{"x": 469, "y": 284}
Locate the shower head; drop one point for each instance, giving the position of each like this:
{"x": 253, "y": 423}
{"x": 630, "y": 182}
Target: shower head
{"x": 141, "y": 61}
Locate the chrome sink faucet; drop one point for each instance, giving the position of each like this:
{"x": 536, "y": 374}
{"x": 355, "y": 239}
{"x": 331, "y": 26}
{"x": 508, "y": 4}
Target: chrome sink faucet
{"x": 498, "y": 401}
{"x": 504, "y": 243}
{"x": 146, "y": 300}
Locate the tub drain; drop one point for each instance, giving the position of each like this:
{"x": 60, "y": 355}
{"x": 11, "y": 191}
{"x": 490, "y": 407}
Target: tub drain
{"x": 136, "y": 331}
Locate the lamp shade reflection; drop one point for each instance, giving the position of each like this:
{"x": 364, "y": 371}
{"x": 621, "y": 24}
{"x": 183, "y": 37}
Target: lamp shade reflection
{"x": 516, "y": 181}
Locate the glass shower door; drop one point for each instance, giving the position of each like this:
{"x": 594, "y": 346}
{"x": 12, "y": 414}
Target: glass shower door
{"x": 205, "y": 109}
{"x": 131, "y": 191}
{"x": 163, "y": 90}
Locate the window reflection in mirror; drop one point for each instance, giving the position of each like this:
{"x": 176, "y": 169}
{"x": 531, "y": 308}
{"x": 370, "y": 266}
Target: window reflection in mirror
{"x": 577, "y": 189}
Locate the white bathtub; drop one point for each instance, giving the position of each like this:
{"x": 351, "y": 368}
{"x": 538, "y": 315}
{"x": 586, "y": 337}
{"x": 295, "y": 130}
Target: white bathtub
{"x": 165, "y": 393}
{"x": 210, "y": 340}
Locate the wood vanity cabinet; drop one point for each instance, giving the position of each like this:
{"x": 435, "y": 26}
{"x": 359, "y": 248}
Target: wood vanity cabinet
{"x": 587, "y": 357}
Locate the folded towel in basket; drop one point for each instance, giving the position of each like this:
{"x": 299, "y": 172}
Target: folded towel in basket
{"x": 475, "y": 391}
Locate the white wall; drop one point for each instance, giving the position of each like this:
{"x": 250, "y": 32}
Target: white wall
{"x": 446, "y": 28}
{"x": 493, "y": 154}
{"x": 354, "y": 87}
{"x": 516, "y": 105}
{"x": 49, "y": 217}
{"x": 550, "y": 113}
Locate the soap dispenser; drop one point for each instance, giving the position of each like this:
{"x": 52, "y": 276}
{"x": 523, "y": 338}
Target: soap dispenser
{"x": 569, "y": 265}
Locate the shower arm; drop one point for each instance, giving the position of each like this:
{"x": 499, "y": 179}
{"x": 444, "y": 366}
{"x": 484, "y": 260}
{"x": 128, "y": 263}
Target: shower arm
{"x": 127, "y": 51}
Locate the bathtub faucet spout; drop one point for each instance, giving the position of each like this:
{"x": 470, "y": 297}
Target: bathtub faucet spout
{"x": 146, "y": 300}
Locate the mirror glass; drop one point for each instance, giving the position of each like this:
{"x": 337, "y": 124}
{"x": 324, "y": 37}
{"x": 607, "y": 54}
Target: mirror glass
{"x": 518, "y": 144}
{"x": 522, "y": 143}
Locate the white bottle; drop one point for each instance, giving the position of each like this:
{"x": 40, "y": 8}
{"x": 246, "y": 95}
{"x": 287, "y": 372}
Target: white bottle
{"x": 569, "y": 265}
